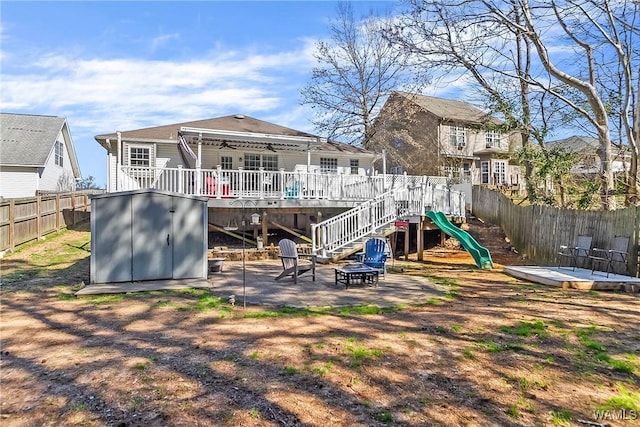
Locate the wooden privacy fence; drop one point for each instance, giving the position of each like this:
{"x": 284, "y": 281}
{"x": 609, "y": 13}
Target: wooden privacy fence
{"x": 23, "y": 220}
{"x": 538, "y": 231}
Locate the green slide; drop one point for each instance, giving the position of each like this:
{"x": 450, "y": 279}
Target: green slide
{"x": 479, "y": 253}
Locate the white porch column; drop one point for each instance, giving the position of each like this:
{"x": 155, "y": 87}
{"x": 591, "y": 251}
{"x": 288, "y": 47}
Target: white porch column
{"x": 219, "y": 182}
{"x": 109, "y": 160}
{"x": 198, "y": 166}
{"x": 119, "y": 160}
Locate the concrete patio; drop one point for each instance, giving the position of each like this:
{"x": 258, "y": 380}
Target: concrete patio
{"x": 262, "y": 289}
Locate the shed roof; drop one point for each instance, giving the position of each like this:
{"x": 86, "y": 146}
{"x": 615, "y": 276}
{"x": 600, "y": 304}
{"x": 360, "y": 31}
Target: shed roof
{"x": 450, "y": 110}
{"x": 27, "y": 140}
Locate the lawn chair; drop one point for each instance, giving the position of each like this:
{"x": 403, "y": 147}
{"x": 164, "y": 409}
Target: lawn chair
{"x": 617, "y": 253}
{"x": 582, "y": 249}
{"x": 290, "y": 261}
{"x": 374, "y": 255}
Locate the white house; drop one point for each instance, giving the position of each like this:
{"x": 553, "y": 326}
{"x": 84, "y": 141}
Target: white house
{"x": 236, "y": 153}
{"x": 36, "y": 155}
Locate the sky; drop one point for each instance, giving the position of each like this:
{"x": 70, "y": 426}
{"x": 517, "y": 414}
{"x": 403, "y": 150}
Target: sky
{"x": 120, "y": 65}
{"x": 123, "y": 65}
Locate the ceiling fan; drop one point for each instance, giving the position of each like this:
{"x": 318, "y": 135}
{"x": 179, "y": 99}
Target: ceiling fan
{"x": 226, "y": 145}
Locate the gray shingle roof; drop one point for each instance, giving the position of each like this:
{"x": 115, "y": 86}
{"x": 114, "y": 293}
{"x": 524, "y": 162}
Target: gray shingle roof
{"x": 27, "y": 140}
{"x": 451, "y": 110}
{"x": 236, "y": 123}
{"x": 232, "y": 123}
{"x": 576, "y": 144}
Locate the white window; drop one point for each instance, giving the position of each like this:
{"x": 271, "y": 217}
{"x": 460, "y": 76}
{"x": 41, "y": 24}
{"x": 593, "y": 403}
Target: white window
{"x": 328, "y": 165}
{"x": 493, "y": 138}
{"x": 459, "y": 172}
{"x": 270, "y": 162}
{"x": 59, "y": 153}
{"x": 140, "y": 157}
{"x": 466, "y": 171}
{"x": 226, "y": 162}
{"x": 397, "y": 170}
{"x": 254, "y": 162}
{"x": 457, "y": 137}
{"x": 484, "y": 172}
{"x": 500, "y": 172}
{"x": 355, "y": 166}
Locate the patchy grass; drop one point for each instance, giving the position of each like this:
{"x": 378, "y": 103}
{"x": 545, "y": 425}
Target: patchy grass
{"x": 527, "y": 329}
{"x": 500, "y": 354}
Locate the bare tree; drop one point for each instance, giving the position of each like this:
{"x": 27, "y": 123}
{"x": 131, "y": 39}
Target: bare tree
{"x": 462, "y": 38}
{"x": 357, "y": 69}
{"x": 591, "y": 25}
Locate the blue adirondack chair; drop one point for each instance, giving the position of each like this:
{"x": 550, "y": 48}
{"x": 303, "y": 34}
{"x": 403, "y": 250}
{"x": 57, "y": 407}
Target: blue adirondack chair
{"x": 292, "y": 191}
{"x": 374, "y": 255}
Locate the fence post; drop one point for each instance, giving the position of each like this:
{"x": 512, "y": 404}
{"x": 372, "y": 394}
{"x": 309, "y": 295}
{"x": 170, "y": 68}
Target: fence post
{"x": 57, "y": 213}
{"x": 12, "y": 223}
{"x": 73, "y": 209}
{"x": 38, "y": 216}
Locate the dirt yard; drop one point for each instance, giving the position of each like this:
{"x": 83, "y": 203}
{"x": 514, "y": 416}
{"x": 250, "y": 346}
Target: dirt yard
{"x": 493, "y": 351}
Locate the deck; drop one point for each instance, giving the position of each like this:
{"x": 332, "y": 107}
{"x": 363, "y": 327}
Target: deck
{"x": 581, "y": 278}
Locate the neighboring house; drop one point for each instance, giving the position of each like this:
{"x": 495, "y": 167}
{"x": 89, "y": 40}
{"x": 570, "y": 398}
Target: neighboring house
{"x": 587, "y": 152}
{"x": 435, "y": 136}
{"x": 36, "y": 155}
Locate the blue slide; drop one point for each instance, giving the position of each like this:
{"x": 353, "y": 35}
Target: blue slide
{"x": 479, "y": 253}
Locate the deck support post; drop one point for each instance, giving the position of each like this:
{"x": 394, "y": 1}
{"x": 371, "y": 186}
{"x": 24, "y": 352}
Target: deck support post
{"x": 265, "y": 229}
{"x": 407, "y": 234}
{"x": 420, "y": 239}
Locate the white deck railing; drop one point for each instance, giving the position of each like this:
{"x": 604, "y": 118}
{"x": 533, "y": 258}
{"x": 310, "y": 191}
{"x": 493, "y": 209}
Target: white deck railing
{"x": 373, "y": 215}
{"x": 262, "y": 184}
{"x": 381, "y": 198}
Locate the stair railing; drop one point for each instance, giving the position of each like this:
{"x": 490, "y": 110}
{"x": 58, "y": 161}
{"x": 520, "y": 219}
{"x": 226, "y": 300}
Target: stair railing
{"x": 372, "y": 215}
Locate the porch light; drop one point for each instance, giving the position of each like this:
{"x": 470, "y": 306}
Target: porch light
{"x": 255, "y": 219}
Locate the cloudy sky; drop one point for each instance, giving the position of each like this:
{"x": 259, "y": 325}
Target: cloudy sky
{"x": 121, "y": 65}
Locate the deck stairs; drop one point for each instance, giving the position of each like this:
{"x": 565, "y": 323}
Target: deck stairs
{"x": 358, "y": 245}
{"x": 345, "y": 234}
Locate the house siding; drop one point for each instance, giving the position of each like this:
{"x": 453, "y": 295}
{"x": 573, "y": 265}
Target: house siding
{"x": 168, "y": 155}
{"x": 425, "y": 147}
{"x": 58, "y": 178}
{"x": 16, "y": 182}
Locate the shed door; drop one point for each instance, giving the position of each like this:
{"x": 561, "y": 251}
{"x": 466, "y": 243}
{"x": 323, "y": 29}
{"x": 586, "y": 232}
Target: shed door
{"x": 152, "y": 238}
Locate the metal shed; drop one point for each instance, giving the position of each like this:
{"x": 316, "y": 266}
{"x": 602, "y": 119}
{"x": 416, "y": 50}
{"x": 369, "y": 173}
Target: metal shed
{"x": 148, "y": 235}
